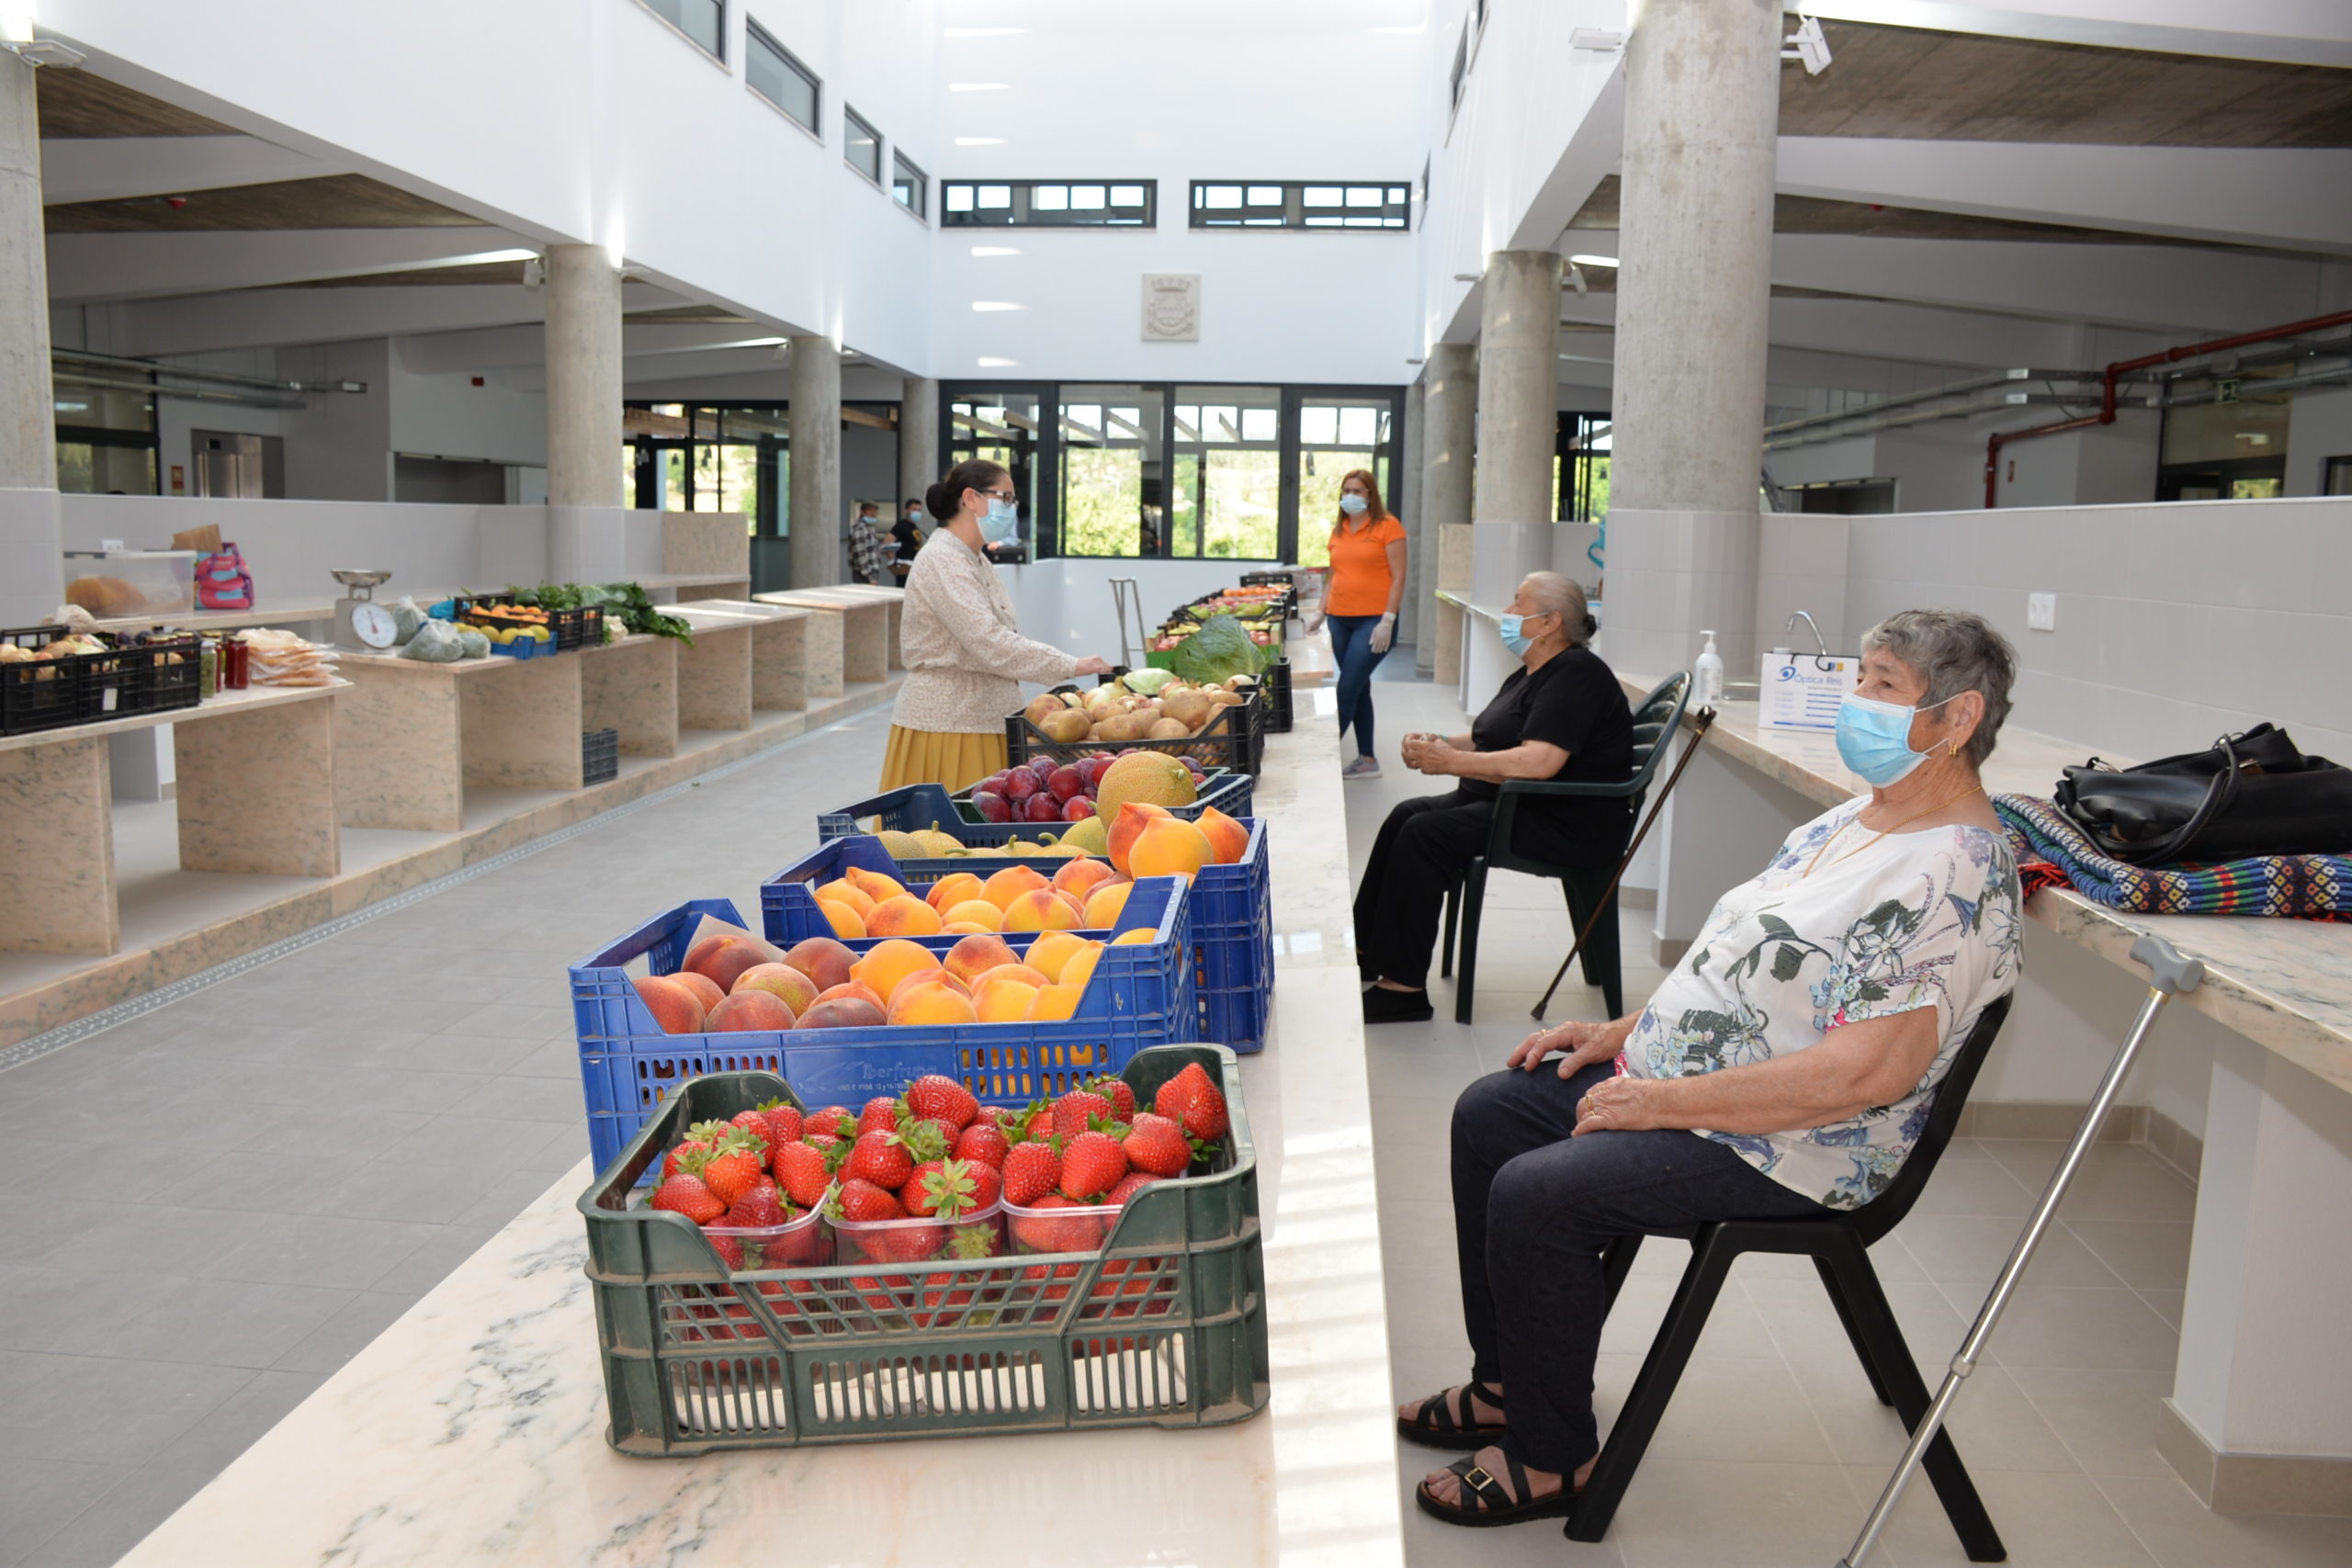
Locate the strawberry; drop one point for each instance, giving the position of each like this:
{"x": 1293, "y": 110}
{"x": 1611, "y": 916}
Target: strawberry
{"x": 1077, "y": 1111}
{"x": 729, "y": 1250}
{"x": 881, "y": 1115}
{"x": 828, "y": 1120}
{"x": 983, "y": 1142}
{"x": 1115, "y": 1090}
{"x": 697, "y": 1141}
{"x": 926, "y": 1139}
{"x": 784, "y": 1124}
{"x": 1076, "y": 1232}
{"x": 827, "y": 1144}
{"x": 751, "y": 1121}
{"x": 734, "y": 1165}
{"x": 1092, "y": 1164}
{"x": 989, "y": 1186}
{"x": 804, "y": 1172}
{"x": 761, "y": 1208}
{"x": 880, "y": 1158}
{"x": 1157, "y": 1145}
{"x": 860, "y": 1202}
{"x": 689, "y": 1195}
{"x": 1205, "y": 1119}
{"x": 793, "y": 1249}
{"x": 1132, "y": 1183}
{"x": 1031, "y": 1171}
{"x": 925, "y": 1187}
{"x": 941, "y": 1098}
{"x": 941, "y": 1293}
{"x": 950, "y": 1189}
{"x": 906, "y": 1244}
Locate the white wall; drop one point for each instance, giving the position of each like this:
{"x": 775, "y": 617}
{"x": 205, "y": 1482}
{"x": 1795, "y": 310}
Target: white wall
{"x": 444, "y": 414}
{"x": 2322, "y": 428}
{"x": 1067, "y": 601}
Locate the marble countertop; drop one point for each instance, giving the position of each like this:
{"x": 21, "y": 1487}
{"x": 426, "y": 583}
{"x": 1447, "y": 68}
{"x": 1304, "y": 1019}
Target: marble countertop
{"x": 222, "y": 620}
{"x": 220, "y": 705}
{"x": 1462, "y": 602}
{"x": 834, "y": 598}
{"x": 2286, "y": 985}
{"x": 472, "y": 1430}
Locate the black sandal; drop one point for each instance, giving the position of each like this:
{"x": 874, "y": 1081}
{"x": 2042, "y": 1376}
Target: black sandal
{"x": 1434, "y": 1425}
{"x": 1486, "y": 1504}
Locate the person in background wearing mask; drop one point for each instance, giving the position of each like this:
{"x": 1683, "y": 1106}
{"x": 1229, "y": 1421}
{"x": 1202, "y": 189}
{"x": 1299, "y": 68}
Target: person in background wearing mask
{"x": 869, "y": 552}
{"x": 908, "y": 532}
{"x": 1367, "y": 584}
{"x": 1561, "y": 715}
{"x": 965, "y": 655}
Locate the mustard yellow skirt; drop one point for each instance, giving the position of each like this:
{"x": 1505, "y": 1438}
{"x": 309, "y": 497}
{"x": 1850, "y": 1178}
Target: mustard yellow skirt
{"x": 948, "y": 757}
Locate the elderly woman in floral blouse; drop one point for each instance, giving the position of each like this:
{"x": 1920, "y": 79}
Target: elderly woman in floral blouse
{"x": 1786, "y": 1065}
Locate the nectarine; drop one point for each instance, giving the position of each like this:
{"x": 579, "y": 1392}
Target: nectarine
{"x": 1128, "y": 826}
{"x": 1082, "y": 876}
{"x": 1050, "y": 952}
{"x": 1170, "y": 847}
{"x": 823, "y": 960}
{"x": 1140, "y": 935}
{"x": 844, "y": 920}
{"x": 795, "y": 989}
{"x": 721, "y": 958}
{"x": 1003, "y": 1001}
{"x": 1102, "y": 906}
{"x": 1228, "y": 840}
{"x": 887, "y": 963}
{"x": 1054, "y": 1003}
{"x": 874, "y": 883}
{"x": 905, "y": 914}
{"x": 976, "y": 955}
{"x": 842, "y": 1012}
{"x": 856, "y": 990}
{"x": 1040, "y": 909}
{"x": 932, "y": 1004}
{"x": 1006, "y": 886}
{"x": 965, "y": 928}
{"x": 953, "y": 888}
{"x": 705, "y": 988}
{"x": 750, "y": 1009}
{"x": 841, "y": 890}
{"x": 1081, "y": 966}
{"x": 673, "y": 1007}
{"x": 931, "y": 977}
{"x": 975, "y": 912}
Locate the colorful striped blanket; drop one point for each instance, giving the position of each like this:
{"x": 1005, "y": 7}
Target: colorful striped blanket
{"x": 2288, "y": 887}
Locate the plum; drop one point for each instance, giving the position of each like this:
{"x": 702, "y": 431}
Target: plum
{"x": 1044, "y": 767}
{"x": 1065, "y": 783}
{"x": 1020, "y": 785}
{"x": 1089, "y": 771}
{"x": 1077, "y": 809}
{"x": 992, "y": 807}
{"x": 1043, "y": 807}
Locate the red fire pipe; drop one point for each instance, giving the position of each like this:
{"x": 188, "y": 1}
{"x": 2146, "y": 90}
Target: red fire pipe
{"x": 2122, "y": 367}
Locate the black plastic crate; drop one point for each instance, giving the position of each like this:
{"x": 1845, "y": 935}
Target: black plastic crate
{"x": 577, "y": 629}
{"x": 1231, "y": 739}
{"x": 600, "y": 756}
{"x": 38, "y": 695}
{"x": 1273, "y": 685}
{"x": 154, "y": 675}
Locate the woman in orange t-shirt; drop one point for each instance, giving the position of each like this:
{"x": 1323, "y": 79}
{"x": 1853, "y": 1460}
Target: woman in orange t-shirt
{"x": 1367, "y": 584}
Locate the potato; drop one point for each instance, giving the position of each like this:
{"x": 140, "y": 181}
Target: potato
{"x": 1191, "y": 709}
{"x": 1167, "y": 730}
{"x": 1041, "y": 709}
{"x": 1066, "y": 725}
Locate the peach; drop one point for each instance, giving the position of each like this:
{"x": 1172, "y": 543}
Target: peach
{"x": 675, "y": 1008}
{"x": 887, "y": 963}
{"x": 904, "y": 915}
{"x": 842, "y": 1012}
{"x": 844, "y": 920}
{"x": 976, "y": 955}
{"x": 1054, "y": 1002}
{"x": 1081, "y": 966}
{"x": 1103, "y": 905}
{"x": 1003, "y": 1001}
{"x": 721, "y": 958}
{"x": 1170, "y": 847}
{"x": 823, "y": 960}
{"x": 975, "y": 912}
{"x": 1006, "y": 886}
{"x": 955, "y": 887}
{"x": 841, "y": 890}
{"x": 933, "y": 976}
{"x": 750, "y": 1009}
{"x": 1228, "y": 840}
{"x": 705, "y": 988}
{"x": 1040, "y": 909}
{"x": 1050, "y": 952}
{"x": 1081, "y": 878}
{"x": 1021, "y": 972}
{"x": 932, "y": 1004}
{"x": 965, "y": 928}
{"x": 1128, "y": 826}
{"x": 874, "y": 883}
{"x": 1140, "y": 935}
{"x": 796, "y": 989}
{"x": 858, "y": 989}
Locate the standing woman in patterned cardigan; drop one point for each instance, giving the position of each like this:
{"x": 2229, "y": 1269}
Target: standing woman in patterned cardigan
{"x": 962, "y": 645}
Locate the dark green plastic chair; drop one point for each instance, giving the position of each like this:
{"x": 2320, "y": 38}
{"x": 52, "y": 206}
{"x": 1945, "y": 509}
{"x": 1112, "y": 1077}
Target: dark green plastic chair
{"x": 1655, "y": 722}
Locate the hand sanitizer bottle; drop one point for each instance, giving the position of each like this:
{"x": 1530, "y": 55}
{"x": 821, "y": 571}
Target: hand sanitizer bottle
{"x": 1707, "y": 676}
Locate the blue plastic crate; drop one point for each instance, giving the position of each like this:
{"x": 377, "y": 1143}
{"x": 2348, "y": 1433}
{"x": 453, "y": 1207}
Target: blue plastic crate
{"x": 1232, "y": 915}
{"x": 1140, "y": 995}
{"x": 915, "y": 806}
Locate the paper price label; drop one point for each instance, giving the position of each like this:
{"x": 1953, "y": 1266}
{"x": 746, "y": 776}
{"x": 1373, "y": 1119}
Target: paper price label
{"x": 1802, "y": 690}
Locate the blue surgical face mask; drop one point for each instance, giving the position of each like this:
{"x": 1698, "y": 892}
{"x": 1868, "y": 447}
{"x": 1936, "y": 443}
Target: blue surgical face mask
{"x": 1874, "y": 738}
{"x": 1004, "y": 521}
{"x": 1514, "y": 633}
{"x": 1353, "y": 504}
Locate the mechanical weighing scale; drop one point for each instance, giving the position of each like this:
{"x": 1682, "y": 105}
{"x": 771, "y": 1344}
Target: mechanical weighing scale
{"x": 360, "y": 623}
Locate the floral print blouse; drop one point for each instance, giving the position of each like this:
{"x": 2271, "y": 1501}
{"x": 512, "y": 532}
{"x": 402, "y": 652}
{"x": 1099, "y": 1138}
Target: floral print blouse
{"x": 1915, "y": 919}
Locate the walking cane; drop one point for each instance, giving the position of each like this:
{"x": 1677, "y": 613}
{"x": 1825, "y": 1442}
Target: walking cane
{"x": 1699, "y": 724}
{"x": 2169, "y": 975}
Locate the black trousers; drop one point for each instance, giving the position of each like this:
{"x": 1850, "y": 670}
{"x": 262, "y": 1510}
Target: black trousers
{"x": 1421, "y": 853}
{"x": 1533, "y": 1208}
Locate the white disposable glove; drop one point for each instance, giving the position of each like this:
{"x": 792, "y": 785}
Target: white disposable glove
{"x": 1313, "y": 622}
{"x": 1382, "y": 633}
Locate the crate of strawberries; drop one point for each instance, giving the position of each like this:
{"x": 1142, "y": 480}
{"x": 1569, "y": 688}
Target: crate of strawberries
{"x": 925, "y": 1265}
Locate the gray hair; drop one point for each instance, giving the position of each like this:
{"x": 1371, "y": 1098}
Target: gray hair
{"x": 1561, "y": 596}
{"x": 1955, "y": 651}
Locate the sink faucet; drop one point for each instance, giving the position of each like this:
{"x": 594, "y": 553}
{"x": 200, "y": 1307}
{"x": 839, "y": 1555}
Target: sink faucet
{"x": 1820, "y": 641}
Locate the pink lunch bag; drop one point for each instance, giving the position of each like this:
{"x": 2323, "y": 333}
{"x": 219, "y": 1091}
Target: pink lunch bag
{"x": 222, "y": 581}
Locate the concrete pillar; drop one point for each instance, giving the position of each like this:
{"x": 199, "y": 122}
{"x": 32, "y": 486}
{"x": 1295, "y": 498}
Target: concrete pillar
{"x": 816, "y": 499}
{"x": 1405, "y": 496}
{"x": 1448, "y": 435}
{"x": 919, "y": 464}
{"x": 1519, "y": 370}
{"x": 584, "y": 332}
{"x": 1702, "y": 92}
{"x": 32, "y": 577}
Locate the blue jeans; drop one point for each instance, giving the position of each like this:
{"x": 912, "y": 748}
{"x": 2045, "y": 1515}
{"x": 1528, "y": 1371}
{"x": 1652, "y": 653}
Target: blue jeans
{"x": 1351, "y": 651}
{"x": 1533, "y": 1208}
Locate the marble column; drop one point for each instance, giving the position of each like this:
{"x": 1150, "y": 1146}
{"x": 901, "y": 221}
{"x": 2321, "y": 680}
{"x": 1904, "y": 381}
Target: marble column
{"x": 584, "y": 347}
{"x": 1405, "y": 484}
{"x": 1519, "y": 370}
{"x": 918, "y": 462}
{"x": 32, "y": 577}
{"x": 816, "y": 500}
{"x": 1702, "y": 85}
{"x": 1449, "y": 432}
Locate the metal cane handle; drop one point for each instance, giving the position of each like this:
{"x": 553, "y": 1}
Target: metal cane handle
{"x": 2168, "y": 971}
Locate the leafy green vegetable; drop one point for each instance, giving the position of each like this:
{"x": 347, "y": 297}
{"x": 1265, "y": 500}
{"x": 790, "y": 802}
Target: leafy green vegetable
{"x": 627, "y": 602}
{"x": 1220, "y": 649}
{"x": 1147, "y": 681}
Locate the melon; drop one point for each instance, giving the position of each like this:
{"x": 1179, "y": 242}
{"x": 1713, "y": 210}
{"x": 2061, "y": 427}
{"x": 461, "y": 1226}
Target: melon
{"x": 1150, "y": 778}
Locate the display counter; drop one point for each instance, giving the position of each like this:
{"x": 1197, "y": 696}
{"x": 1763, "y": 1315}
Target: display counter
{"x": 785, "y": 646}
{"x": 865, "y": 625}
{"x": 472, "y": 1431}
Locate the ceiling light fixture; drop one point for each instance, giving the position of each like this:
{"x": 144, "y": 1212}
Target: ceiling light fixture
{"x": 1465, "y": 278}
{"x": 1596, "y": 40}
{"x": 994, "y": 251}
{"x": 988, "y": 363}
{"x": 1576, "y": 277}
{"x": 977, "y": 86}
{"x": 980, "y": 141}
{"x": 1808, "y": 45}
{"x": 997, "y": 304}
{"x": 1592, "y": 260}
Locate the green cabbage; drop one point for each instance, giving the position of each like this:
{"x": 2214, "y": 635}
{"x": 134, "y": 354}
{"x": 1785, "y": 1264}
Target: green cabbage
{"x": 1220, "y": 649}
{"x": 1146, "y": 683}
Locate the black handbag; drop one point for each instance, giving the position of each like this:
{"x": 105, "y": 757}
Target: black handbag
{"x": 2243, "y": 797}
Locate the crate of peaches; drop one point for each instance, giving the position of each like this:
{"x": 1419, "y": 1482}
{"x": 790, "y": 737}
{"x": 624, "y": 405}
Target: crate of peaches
{"x": 768, "y": 1274}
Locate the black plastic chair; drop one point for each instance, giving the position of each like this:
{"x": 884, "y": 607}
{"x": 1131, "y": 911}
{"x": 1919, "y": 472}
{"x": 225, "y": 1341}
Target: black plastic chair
{"x": 1655, "y": 722}
{"x": 1838, "y": 1243}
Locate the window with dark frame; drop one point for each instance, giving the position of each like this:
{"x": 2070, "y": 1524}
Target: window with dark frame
{"x": 908, "y": 184}
{"x": 704, "y": 21}
{"x": 1049, "y": 204}
{"x": 1301, "y": 204}
{"x": 772, "y": 72}
{"x": 862, "y": 144}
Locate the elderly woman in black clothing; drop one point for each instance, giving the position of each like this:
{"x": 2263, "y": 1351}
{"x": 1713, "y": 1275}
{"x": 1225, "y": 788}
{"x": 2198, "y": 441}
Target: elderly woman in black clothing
{"x": 1560, "y": 715}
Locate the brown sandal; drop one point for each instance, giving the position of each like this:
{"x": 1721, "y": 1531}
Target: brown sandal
{"x": 1436, "y": 1425}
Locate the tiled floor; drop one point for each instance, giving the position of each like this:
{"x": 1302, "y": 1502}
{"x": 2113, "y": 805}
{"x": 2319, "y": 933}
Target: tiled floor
{"x": 1774, "y": 1447}
{"x": 206, "y": 1210}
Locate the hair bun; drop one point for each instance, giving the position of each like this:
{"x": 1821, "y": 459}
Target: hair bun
{"x": 1591, "y": 627}
{"x": 938, "y": 503}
